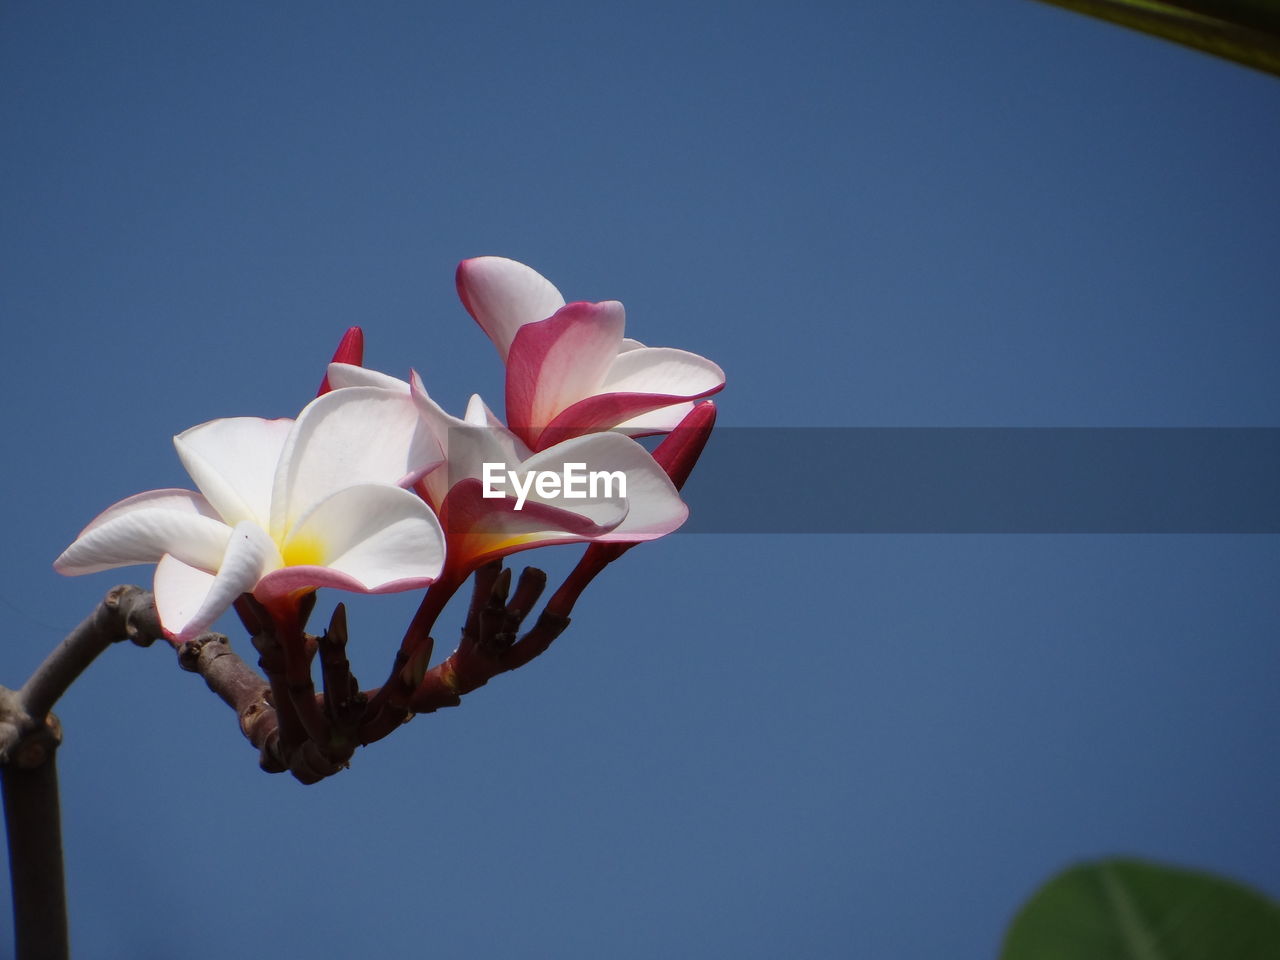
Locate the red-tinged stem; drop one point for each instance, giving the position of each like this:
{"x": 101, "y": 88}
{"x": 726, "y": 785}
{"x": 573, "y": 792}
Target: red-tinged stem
{"x": 489, "y": 645}
{"x": 415, "y": 648}
{"x": 298, "y": 654}
{"x": 438, "y": 595}
{"x": 271, "y": 658}
{"x": 597, "y": 557}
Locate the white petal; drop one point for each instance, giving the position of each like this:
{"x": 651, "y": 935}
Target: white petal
{"x": 662, "y": 370}
{"x": 479, "y": 414}
{"x": 503, "y": 295}
{"x": 190, "y": 600}
{"x": 601, "y": 454}
{"x": 654, "y": 507}
{"x": 180, "y": 592}
{"x": 376, "y": 534}
{"x": 233, "y": 462}
{"x": 346, "y": 437}
{"x": 467, "y": 446}
{"x": 349, "y": 375}
{"x": 144, "y": 528}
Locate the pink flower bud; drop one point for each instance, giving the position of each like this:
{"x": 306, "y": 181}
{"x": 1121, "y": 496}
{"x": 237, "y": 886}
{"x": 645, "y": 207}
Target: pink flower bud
{"x": 350, "y": 350}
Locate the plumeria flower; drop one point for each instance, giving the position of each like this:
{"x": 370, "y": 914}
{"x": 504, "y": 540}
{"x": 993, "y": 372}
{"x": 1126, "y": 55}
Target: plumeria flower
{"x": 570, "y": 371}
{"x": 283, "y": 507}
{"x": 479, "y": 528}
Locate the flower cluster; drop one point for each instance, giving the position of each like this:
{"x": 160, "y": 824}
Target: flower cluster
{"x": 374, "y": 488}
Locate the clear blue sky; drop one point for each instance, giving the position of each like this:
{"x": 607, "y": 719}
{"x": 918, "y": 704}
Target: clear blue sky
{"x": 979, "y": 214}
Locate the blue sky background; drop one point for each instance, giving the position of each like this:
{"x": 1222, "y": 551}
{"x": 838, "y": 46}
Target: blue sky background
{"x": 911, "y": 214}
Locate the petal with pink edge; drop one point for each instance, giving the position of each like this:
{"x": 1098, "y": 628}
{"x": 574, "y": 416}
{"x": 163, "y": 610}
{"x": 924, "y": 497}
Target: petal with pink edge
{"x": 233, "y": 462}
{"x": 599, "y": 453}
{"x": 480, "y": 528}
{"x": 503, "y": 295}
{"x": 189, "y": 604}
{"x": 558, "y": 361}
{"x": 654, "y": 507}
{"x": 370, "y": 538}
{"x": 142, "y": 529}
{"x": 647, "y": 390}
{"x": 662, "y": 420}
{"x": 663, "y": 370}
{"x": 351, "y": 436}
{"x": 183, "y": 501}
{"x": 605, "y": 411}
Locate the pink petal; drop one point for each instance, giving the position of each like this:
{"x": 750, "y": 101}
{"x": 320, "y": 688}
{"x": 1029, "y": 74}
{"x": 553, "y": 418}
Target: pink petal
{"x": 503, "y": 295}
{"x": 556, "y": 362}
{"x": 641, "y": 382}
{"x": 608, "y": 410}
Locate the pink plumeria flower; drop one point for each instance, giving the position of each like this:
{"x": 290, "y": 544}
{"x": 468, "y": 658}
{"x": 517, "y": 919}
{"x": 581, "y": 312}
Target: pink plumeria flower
{"x": 284, "y": 507}
{"x": 479, "y": 528}
{"x": 570, "y": 371}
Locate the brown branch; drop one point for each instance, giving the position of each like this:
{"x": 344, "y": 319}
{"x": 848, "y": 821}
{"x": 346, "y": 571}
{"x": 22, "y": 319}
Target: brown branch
{"x": 344, "y": 703}
{"x": 29, "y": 737}
{"x": 125, "y": 613}
{"x": 32, "y": 821}
{"x": 239, "y": 687}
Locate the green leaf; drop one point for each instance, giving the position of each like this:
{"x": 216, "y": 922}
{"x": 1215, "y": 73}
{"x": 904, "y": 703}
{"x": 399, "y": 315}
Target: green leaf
{"x": 1246, "y": 31}
{"x": 1133, "y": 910}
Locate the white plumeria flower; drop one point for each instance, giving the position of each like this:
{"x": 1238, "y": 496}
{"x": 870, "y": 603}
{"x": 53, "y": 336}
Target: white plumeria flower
{"x": 284, "y": 507}
{"x": 570, "y": 371}
{"x": 480, "y": 528}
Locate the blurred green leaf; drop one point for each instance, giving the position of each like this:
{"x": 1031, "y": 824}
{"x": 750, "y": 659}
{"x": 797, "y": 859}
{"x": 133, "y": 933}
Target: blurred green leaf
{"x": 1246, "y": 31}
{"x": 1133, "y": 910}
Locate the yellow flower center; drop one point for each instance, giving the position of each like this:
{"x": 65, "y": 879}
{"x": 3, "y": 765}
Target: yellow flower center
{"x": 303, "y": 552}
